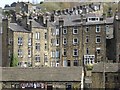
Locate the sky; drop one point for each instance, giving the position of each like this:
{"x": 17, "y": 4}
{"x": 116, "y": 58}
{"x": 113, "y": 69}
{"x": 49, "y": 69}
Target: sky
{"x": 3, "y": 2}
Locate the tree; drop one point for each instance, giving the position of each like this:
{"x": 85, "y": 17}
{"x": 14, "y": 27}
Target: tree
{"x": 14, "y": 61}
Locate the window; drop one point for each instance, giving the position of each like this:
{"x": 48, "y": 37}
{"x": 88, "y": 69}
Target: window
{"x": 87, "y": 39}
{"x": 65, "y": 63}
{"x": 57, "y": 54}
{"x": 37, "y": 35}
{"x": 98, "y": 50}
{"x": 20, "y": 40}
{"x": 89, "y": 59}
{"x": 87, "y": 51}
{"x": 57, "y": 31}
{"x": 97, "y": 28}
{"x": 68, "y": 63}
{"x": 98, "y": 39}
{"x": 37, "y": 46}
{"x": 65, "y": 52}
{"x": 45, "y": 35}
{"x": 45, "y": 58}
{"x": 57, "y": 42}
{"x": 76, "y": 63}
{"x": 52, "y": 54}
{"x": 10, "y": 41}
{"x": 75, "y": 52}
{"x": 75, "y": 30}
{"x": 19, "y": 53}
{"x": 45, "y": 46}
{"x": 65, "y": 30}
{"x": 87, "y": 29}
{"x": 29, "y": 53}
{"x": 29, "y": 42}
{"x": 75, "y": 41}
{"x": 64, "y": 41}
{"x": 37, "y": 58}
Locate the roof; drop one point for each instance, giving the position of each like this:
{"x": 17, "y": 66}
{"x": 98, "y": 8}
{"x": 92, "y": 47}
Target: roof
{"x": 109, "y": 20}
{"x": 41, "y": 74}
{"x": 35, "y": 24}
{"x": 70, "y": 20}
{"x": 107, "y": 67}
{"x": 17, "y": 28}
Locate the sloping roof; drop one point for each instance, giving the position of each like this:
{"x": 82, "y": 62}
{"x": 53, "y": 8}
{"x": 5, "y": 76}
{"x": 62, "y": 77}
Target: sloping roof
{"x": 109, "y": 20}
{"x": 41, "y": 74}
{"x": 35, "y": 24}
{"x": 107, "y": 67}
{"x": 17, "y": 28}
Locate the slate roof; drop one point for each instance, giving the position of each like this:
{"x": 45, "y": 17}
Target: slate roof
{"x": 35, "y": 24}
{"x": 109, "y": 20}
{"x": 41, "y": 74}
{"x": 108, "y": 67}
{"x": 17, "y": 28}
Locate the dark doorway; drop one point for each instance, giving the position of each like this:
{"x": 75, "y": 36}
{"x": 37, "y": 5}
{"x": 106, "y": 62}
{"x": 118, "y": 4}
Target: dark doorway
{"x": 49, "y": 87}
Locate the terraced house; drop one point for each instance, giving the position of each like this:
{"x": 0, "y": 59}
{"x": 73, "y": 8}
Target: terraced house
{"x": 24, "y": 42}
{"x": 82, "y": 39}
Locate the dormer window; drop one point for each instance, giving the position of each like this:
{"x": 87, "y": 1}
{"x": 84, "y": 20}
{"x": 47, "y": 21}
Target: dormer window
{"x": 92, "y": 19}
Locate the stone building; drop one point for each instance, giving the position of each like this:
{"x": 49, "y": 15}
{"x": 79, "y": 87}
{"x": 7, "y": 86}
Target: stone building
{"x": 47, "y": 78}
{"x": 81, "y": 39}
{"x": 24, "y": 41}
{"x": 106, "y": 75}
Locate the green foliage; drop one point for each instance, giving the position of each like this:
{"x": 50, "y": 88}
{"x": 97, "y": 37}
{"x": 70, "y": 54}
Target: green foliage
{"x": 89, "y": 67}
{"x": 14, "y": 61}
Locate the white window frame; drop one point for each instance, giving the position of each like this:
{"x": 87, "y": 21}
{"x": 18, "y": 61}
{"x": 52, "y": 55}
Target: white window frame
{"x": 20, "y": 53}
{"x": 37, "y": 58}
{"x": 97, "y": 50}
{"x": 29, "y": 53}
{"x": 37, "y": 46}
{"x": 65, "y": 51}
{"x": 57, "y": 31}
{"x": 89, "y": 59}
{"x": 74, "y": 29}
{"x": 64, "y": 41}
{"x": 20, "y": 40}
{"x": 57, "y": 41}
{"x": 98, "y": 38}
{"x": 37, "y": 35}
{"x": 75, "y": 51}
{"x": 65, "y": 30}
{"x": 97, "y": 27}
{"x": 29, "y": 41}
{"x": 74, "y": 41}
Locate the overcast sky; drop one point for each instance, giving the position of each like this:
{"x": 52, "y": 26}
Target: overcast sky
{"x": 3, "y": 2}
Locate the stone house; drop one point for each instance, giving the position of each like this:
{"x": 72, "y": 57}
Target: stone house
{"x": 106, "y": 75}
{"x": 47, "y": 78}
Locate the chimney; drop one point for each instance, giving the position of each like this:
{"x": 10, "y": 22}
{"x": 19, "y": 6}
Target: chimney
{"x": 24, "y": 21}
{"x": 13, "y": 18}
{"x": 30, "y": 29}
{"x": 40, "y": 19}
{"x": 52, "y": 18}
{"x": 61, "y": 22}
{"x": 46, "y": 22}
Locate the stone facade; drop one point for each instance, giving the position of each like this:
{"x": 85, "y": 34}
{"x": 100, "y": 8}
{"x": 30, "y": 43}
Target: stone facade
{"x": 106, "y": 75}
